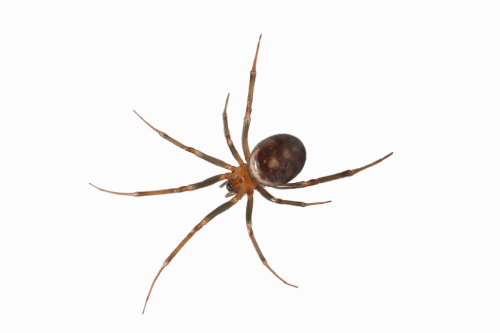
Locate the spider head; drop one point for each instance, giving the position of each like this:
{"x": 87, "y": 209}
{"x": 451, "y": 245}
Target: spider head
{"x": 277, "y": 160}
{"x": 240, "y": 181}
{"x": 230, "y": 187}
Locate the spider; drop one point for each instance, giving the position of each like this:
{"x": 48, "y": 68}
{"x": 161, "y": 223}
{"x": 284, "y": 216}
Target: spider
{"x": 274, "y": 162}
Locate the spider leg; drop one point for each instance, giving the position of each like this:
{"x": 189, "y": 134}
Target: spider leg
{"x": 228, "y": 136}
{"x": 269, "y": 197}
{"x": 198, "y": 153}
{"x": 246, "y": 123}
{"x": 222, "y": 208}
{"x": 254, "y": 241}
{"x": 192, "y": 187}
{"x": 347, "y": 173}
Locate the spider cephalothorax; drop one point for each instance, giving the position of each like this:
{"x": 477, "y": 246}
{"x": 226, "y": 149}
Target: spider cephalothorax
{"x": 240, "y": 182}
{"x": 273, "y": 163}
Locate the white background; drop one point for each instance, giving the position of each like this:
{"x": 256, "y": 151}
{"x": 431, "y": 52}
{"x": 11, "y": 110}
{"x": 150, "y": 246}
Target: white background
{"x": 410, "y": 245}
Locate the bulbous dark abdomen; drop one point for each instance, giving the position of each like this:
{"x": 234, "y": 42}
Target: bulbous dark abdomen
{"x": 277, "y": 160}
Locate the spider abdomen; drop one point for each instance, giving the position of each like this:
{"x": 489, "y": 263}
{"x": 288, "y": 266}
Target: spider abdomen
{"x": 277, "y": 160}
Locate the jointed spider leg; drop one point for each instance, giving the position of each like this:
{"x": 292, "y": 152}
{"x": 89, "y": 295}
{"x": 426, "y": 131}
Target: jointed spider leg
{"x": 228, "y": 136}
{"x": 198, "y": 153}
{"x": 254, "y": 241}
{"x": 246, "y": 123}
{"x": 222, "y": 208}
{"x": 311, "y": 182}
{"x": 269, "y": 197}
{"x": 192, "y": 187}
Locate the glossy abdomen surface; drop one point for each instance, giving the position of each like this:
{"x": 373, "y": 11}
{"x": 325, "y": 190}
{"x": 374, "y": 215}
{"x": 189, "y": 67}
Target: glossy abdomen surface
{"x": 277, "y": 160}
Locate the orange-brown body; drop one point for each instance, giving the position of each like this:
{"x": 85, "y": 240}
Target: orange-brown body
{"x": 240, "y": 182}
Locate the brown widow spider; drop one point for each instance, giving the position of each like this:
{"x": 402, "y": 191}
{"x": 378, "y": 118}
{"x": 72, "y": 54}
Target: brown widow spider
{"x": 273, "y": 163}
